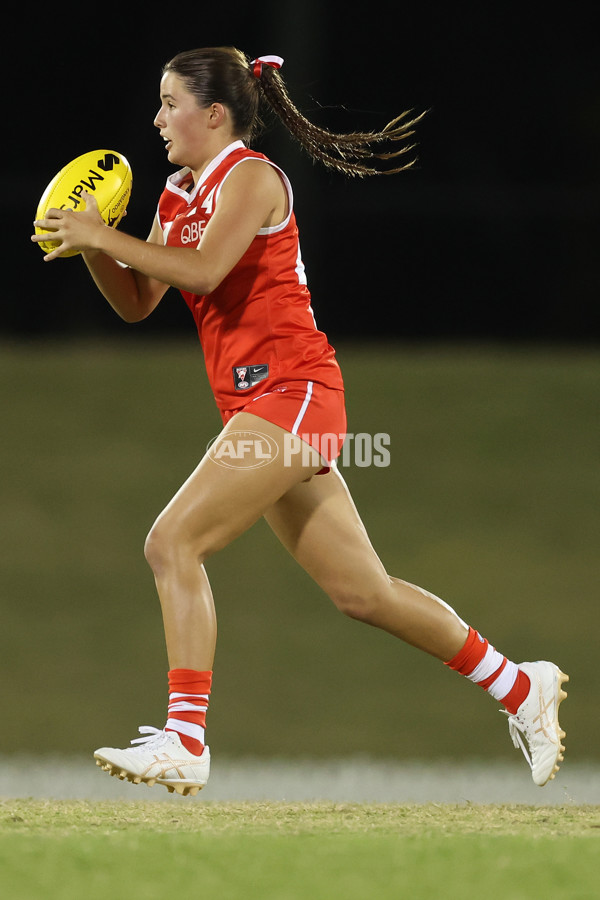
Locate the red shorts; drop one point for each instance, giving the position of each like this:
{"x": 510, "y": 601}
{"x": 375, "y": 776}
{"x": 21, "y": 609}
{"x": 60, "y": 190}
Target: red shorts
{"x": 314, "y": 412}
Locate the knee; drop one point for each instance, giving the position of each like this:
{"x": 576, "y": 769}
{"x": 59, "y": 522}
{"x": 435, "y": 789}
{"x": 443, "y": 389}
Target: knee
{"x": 158, "y": 547}
{"x": 354, "y": 603}
{"x": 167, "y": 546}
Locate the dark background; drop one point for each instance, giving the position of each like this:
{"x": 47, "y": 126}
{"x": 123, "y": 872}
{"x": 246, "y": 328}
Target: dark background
{"x": 494, "y": 236}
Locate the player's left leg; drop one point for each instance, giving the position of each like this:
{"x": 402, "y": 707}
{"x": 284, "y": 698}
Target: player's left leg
{"x": 320, "y": 526}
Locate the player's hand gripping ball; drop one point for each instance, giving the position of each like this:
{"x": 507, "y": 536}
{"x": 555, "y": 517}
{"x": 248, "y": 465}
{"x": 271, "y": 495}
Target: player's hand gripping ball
{"x": 105, "y": 174}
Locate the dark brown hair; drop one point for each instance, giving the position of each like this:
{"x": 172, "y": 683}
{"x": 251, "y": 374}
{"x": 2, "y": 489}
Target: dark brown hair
{"x": 224, "y": 75}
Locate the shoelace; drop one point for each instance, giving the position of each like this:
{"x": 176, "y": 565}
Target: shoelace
{"x": 150, "y": 735}
{"x": 516, "y": 730}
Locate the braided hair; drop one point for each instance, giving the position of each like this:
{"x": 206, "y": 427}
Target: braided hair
{"x": 226, "y": 75}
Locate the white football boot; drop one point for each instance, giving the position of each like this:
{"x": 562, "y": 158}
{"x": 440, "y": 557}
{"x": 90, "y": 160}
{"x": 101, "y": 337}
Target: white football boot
{"x": 157, "y": 758}
{"x": 534, "y": 727}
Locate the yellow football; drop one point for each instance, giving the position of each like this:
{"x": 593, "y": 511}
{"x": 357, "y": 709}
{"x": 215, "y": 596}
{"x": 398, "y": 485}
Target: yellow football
{"x": 104, "y": 173}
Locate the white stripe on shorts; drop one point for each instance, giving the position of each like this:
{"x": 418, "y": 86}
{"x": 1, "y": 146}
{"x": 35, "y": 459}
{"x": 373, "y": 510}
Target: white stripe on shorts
{"x": 303, "y": 408}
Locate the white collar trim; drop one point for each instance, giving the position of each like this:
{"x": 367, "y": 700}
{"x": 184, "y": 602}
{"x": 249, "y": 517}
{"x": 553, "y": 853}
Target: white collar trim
{"x": 173, "y": 181}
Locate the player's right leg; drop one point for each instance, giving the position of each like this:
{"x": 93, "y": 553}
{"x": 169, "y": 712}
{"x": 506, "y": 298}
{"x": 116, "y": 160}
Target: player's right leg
{"x": 228, "y": 491}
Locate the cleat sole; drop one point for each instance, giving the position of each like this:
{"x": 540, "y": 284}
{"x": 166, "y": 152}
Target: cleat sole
{"x": 184, "y": 789}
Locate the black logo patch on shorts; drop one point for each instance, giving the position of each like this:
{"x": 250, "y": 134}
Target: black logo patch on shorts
{"x": 245, "y": 377}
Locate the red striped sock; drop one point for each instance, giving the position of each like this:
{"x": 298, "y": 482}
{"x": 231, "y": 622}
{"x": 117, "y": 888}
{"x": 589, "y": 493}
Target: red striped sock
{"x": 189, "y": 692}
{"x": 496, "y": 674}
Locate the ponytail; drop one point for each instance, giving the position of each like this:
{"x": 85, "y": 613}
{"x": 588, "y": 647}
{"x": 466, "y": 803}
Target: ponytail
{"x": 350, "y": 154}
{"x": 225, "y": 75}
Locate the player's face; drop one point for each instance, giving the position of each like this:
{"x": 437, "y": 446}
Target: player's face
{"x": 181, "y": 121}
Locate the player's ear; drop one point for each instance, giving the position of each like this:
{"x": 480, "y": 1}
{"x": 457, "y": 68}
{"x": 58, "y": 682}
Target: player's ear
{"x": 217, "y": 115}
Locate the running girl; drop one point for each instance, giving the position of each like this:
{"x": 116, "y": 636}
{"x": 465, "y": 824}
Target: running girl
{"x": 225, "y": 235}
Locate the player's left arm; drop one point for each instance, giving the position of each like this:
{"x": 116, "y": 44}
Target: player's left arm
{"x": 252, "y": 197}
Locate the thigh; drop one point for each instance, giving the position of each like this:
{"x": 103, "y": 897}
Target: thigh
{"x": 243, "y": 473}
{"x": 320, "y": 526}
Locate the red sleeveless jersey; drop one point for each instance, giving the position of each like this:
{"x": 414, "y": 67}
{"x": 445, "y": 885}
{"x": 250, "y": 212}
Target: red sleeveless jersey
{"x": 257, "y": 327}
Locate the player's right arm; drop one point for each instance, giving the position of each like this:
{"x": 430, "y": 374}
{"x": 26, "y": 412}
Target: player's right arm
{"x": 131, "y": 294}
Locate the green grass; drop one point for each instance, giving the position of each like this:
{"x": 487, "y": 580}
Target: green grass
{"x": 491, "y": 501}
{"x": 99, "y": 850}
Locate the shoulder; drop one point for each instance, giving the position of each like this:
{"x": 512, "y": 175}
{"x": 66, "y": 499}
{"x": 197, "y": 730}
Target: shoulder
{"x": 254, "y": 175}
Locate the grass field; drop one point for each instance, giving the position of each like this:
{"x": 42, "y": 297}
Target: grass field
{"x": 291, "y": 852}
{"x": 491, "y": 500}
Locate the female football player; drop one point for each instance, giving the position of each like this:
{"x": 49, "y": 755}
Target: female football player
{"x": 225, "y": 235}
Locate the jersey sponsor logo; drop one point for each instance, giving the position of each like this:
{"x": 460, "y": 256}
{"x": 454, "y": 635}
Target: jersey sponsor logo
{"x": 245, "y": 377}
{"x": 191, "y": 232}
